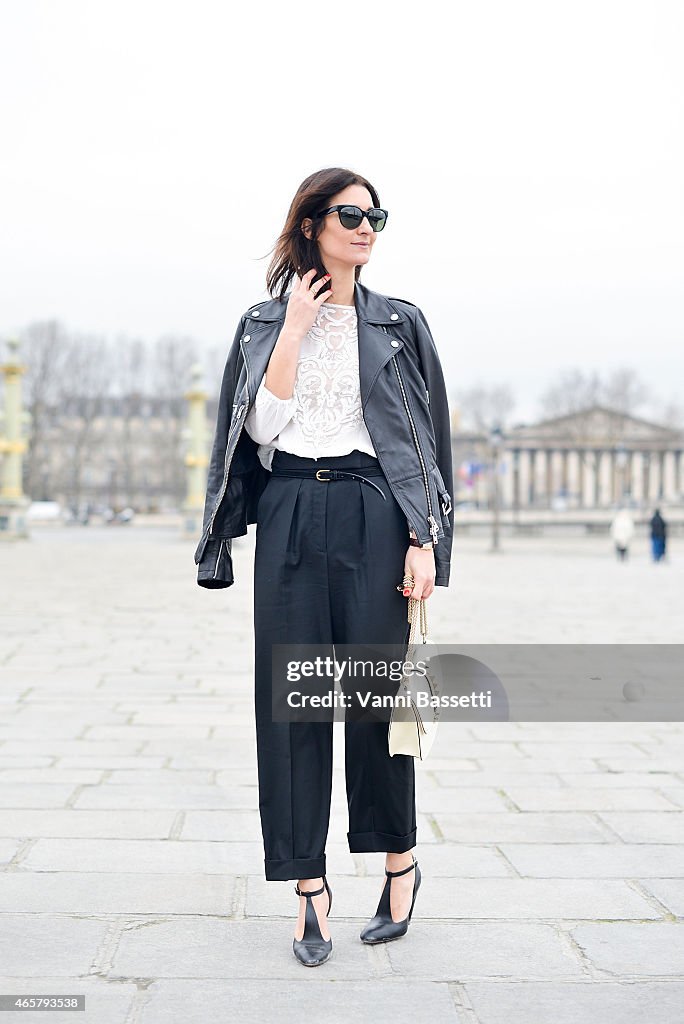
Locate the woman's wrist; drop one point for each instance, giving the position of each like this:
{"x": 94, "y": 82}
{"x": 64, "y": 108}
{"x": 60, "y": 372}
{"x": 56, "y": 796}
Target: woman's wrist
{"x": 415, "y": 543}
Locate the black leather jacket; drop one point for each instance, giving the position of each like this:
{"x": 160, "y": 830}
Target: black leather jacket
{"x": 405, "y": 409}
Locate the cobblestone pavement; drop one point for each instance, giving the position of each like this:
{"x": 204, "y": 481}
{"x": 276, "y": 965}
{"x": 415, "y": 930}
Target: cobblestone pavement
{"x": 131, "y": 864}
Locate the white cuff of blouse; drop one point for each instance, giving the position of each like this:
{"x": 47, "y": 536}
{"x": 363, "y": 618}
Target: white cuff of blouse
{"x": 269, "y": 414}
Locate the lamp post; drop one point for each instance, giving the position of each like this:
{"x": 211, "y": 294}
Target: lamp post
{"x": 196, "y": 460}
{"x": 15, "y": 422}
{"x": 495, "y": 439}
{"x": 516, "y": 487}
{"x": 621, "y": 462}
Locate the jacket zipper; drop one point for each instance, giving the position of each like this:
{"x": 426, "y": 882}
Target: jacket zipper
{"x": 229, "y": 451}
{"x": 218, "y": 557}
{"x": 226, "y": 465}
{"x": 432, "y": 522}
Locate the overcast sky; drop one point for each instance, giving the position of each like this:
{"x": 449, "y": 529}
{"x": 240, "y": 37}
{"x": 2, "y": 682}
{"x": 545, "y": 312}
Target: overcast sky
{"x": 531, "y": 155}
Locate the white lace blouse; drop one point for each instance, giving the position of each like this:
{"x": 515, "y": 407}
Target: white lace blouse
{"x": 324, "y": 415}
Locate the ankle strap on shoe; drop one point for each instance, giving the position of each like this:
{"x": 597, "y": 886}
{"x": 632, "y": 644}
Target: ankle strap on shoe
{"x": 313, "y": 892}
{"x": 395, "y": 874}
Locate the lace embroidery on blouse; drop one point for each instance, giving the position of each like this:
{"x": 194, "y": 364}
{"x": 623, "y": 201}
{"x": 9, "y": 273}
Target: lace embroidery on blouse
{"x": 327, "y": 378}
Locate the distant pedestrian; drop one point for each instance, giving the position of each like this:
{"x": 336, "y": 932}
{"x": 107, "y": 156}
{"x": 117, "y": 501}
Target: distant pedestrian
{"x": 622, "y": 531}
{"x": 658, "y": 535}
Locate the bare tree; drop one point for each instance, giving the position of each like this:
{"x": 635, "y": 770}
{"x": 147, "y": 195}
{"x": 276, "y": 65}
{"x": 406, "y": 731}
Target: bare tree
{"x": 480, "y": 408}
{"x": 173, "y": 357}
{"x": 83, "y": 388}
{"x": 671, "y": 414}
{"x": 624, "y": 392}
{"x": 573, "y": 392}
{"x": 128, "y": 382}
{"x": 44, "y": 351}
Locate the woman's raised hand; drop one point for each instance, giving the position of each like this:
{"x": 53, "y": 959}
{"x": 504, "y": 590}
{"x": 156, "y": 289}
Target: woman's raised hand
{"x": 303, "y": 303}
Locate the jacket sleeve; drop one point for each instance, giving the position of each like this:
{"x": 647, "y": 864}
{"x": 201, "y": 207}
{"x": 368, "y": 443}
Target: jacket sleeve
{"x": 213, "y": 555}
{"x": 441, "y": 420}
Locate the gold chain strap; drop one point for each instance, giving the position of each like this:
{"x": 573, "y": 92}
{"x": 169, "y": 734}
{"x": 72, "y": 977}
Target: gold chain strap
{"x": 412, "y": 616}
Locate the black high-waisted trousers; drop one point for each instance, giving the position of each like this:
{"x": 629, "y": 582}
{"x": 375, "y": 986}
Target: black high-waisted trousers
{"x": 328, "y": 559}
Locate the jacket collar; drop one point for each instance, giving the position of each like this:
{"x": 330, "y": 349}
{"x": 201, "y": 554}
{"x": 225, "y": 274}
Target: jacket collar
{"x": 376, "y": 345}
{"x": 371, "y": 307}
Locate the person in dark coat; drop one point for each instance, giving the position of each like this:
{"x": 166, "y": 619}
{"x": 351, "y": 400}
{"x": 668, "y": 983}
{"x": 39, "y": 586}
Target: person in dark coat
{"x": 658, "y": 535}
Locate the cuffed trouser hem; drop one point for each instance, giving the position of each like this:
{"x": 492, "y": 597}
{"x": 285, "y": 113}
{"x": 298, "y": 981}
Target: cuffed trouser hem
{"x": 284, "y": 870}
{"x": 380, "y": 842}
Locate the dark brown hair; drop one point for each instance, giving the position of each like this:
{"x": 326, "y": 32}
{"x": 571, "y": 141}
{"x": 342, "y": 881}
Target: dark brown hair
{"x": 294, "y": 253}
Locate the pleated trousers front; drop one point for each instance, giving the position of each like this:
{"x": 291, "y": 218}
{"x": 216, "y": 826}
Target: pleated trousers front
{"x": 328, "y": 559}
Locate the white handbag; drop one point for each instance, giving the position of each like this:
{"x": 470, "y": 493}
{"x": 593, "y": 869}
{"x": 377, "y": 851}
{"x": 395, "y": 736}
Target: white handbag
{"x": 412, "y": 730}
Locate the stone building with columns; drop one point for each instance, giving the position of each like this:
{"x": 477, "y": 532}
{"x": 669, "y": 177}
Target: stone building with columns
{"x": 597, "y": 458}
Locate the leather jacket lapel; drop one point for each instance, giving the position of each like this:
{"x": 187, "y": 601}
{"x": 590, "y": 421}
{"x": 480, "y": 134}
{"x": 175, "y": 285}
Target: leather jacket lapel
{"x": 376, "y": 346}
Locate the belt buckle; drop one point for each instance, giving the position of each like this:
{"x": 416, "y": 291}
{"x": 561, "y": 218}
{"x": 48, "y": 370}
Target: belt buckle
{"x": 323, "y": 479}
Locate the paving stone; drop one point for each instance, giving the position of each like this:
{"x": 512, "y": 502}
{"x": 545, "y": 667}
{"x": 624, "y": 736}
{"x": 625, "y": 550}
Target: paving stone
{"x": 646, "y": 826}
{"x": 180, "y": 715}
{"x": 674, "y": 794}
{"x": 479, "y": 898}
{"x": 222, "y": 825}
{"x": 158, "y": 777}
{"x": 28, "y": 794}
{"x": 150, "y": 856}
{"x": 106, "y": 1002}
{"x": 8, "y": 848}
{"x": 590, "y": 799}
{"x": 599, "y": 748}
{"x": 65, "y": 776}
{"x": 139, "y": 762}
{"x": 150, "y": 824}
{"x": 670, "y": 891}
{"x": 224, "y": 750}
{"x": 141, "y": 733}
{"x": 497, "y": 777}
{"x": 634, "y": 950}
{"x": 226, "y": 776}
{"x": 200, "y": 947}
{"x": 49, "y": 747}
{"x": 457, "y": 952}
{"x": 656, "y": 763}
{"x": 449, "y": 860}
{"x": 455, "y": 800}
{"x": 572, "y": 733}
{"x": 520, "y": 827}
{"x": 36, "y": 944}
{"x": 591, "y": 1002}
{"x": 290, "y": 1001}
{"x": 25, "y": 762}
{"x": 92, "y": 893}
{"x": 181, "y": 797}
{"x": 546, "y": 860}
{"x": 619, "y": 780}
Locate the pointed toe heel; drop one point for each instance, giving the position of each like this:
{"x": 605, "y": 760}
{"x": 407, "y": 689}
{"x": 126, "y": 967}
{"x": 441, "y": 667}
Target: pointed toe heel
{"x": 312, "y": 949}
{"x": 382, "y": 928}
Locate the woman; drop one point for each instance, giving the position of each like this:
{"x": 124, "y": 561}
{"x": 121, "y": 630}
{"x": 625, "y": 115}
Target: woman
{"x": 344, "y": 464}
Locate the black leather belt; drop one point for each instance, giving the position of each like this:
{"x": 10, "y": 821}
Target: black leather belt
{"x": 324, "y": 475}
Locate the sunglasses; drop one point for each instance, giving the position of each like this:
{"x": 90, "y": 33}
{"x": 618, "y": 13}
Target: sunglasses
{"x": 351, "y": 216}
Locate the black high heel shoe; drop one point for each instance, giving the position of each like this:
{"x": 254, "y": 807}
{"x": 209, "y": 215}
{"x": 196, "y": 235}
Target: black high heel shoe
{"x": 382, "y": 928}
{"x": 312, "y": 949}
